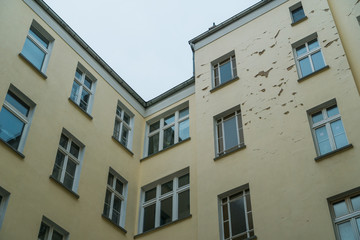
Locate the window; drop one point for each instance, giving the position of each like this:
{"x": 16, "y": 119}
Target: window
{"x": 15, "y": 118}
{"x": 165, "y": 201}
{"x": 236, "y": 220}
{"x": 83, "y": 89}
{"x": 297, "y": 12}
{"x": 345, "y": 212}
{"x": 68, "y": 161}
{"x": 224, "y": 69}
{"x": 123, "y": 125}
{"x": 308, "y": 56}
{"x": 115, "y": 198}
{"x": 167, "y": 131}
{"x": 51, "y": 231}
{"x": 327, "y": 128}
{"x": 228, "y": 131}
{"x": 4, "y": 198}
{"x": 37, "y": 47}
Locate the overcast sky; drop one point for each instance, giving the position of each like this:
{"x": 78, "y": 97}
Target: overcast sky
{"x": 146, "y": 42}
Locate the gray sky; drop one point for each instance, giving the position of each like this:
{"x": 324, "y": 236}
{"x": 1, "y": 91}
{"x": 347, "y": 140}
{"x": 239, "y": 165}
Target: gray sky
{"x": 146, "y": 42}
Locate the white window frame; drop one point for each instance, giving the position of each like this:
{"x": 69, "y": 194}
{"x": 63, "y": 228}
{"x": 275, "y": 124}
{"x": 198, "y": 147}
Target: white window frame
{"x": 163, "y": 127}
{"x": 157, "y": 200}
{"x": 119, "y": 118}
{"x": 78, "y": 161}
{"x": 325, "y": 122}
{"x": 53, "y": 226}
{"x": 219, "y": 120}
{"x": 224, "y": 199}
{"x": 122, "y": 196}
{"x": 217, "y": 63}
{"x": 308, "y": 53}
{"x": 3, "y": 204}
{"x": 350, "y": 217}
{"x": 25, "y": 119}
{"x": 47, "y": 50}
{"x": 82, "y": 87}
{"x": 295, "y": 7}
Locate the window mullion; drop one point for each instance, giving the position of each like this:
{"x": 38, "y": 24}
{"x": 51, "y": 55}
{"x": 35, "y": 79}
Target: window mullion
{"x": 161, "y": 135}
{"x": 14, "y": 111}
{"x": 36, "y": 42}
{"x": 175, "y": 200}
{"x": 62, "y": 177}
{"x": 229, "y": 216}
{"x": 176, "y": 126}
{"x": 330, "y": 135}
{"x": 111, "y": 204}
{"x": 223, "y": 135}
{"x": 80, "y": 94}
{"x": 157, "y": 206}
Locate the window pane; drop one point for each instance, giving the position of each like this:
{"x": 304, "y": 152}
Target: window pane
{"x": 345, "y": 231}
{"x": 216, "y": 75}
{"x": 226, "y": 230}
{"x": 116, "y": 210}
{"x": 17, "y": 103}
{"x": 149, "y": 218}
{"x": 44, "y": 230}
{"x": 313, "y": 44}
{"x": 305, "y": 67}
{"x": 166, "y": 211}
{"x": 323, "y": 140}
{"x": 63, "y": 141}
{"x": 184, "y": 130}
{"x": 220, "y": 138}
{"x": 184, "y": 204}
{"x": 107, "y": 203}
{"x": 153, "y": 144}
{"x": 33, "y": 53}
{"x": 225, "y": 212}
{"x": 119, "y": 186}
{"x": 298, "y": 14}
{"x": 301, "y": 50}
{"x": 78, "y": 74}
{"x": 225, "y": 72}
{"x": 126, "y": 118}
{"x": 150, "y": 194}
{"x": 88, "y": 83}
{"x": 59, "y": 161}
{"x": 69, "y": 174}
{"x": 75, "y": 91}
{"x": 38, "y": 36}
{"x": 117, "y": 129}
{"x": 340, "y": 209}
{"x": 168, "y": 120}
{"x": 124, "y": 136}
{"x": 11, "y": 128}
{"x": 184, "y": 180}
{"x": 355, "y": 201}
{"x": 317, "y": 117}
{"x": 317, "y": 60}
{"x": 169, "y": 135}
{"x": 358, "y": 223}
{"x": 118, "y": 111}
{"x": 230, "y": 133}
{"x": 339, "y": 134}
{"x": 332, "y": 111}
{"x": 74, "y": 150}
{"x": 154, "y": 126}
{"x": 85, "y": 96}
{"x": 56, "y": 236}
{"x": 237, "y": 216}
{"x": 184, "y": 113}
{"x": 166, "y": 187}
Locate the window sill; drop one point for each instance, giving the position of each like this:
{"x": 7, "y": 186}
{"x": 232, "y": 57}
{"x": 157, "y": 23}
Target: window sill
{"x": 15, "y": 150}
{"x": 230, "y": 152}
{"x": 176, "y": 144}
{"x": 313, "y": 73}
{"x": 224, "y": 84}
{"x": 165, "y": 225}
{"x": 67, "y": 189}
{"x": 122, "y": 145}
{"x": 82, "y": 110}
{"x": 32, "y": 65}
{"x": 117, "y": 226}
{"x": 329, "y": 154}
{"x": 299, "y": 21}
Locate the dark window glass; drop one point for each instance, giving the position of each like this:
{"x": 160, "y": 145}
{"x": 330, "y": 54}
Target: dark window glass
{"x": 184, "y": 204}
{"x": 166, "y": 211}
{"x": 149, "y": 218}
{"x": 298, "y": 14}
{"x": 17, "y": 103}
{"x": 11, "y": 128}
{"x": 150, "y": 194}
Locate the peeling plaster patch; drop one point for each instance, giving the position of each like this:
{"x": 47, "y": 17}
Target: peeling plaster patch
{"x": 247, "y": 123}
{"x": 198, "y": 75}
{"x": 274, "y": 62}
{"x": 273, "y": 45}
{"x": 277, "y": 34}
{"x": 287, "y": 112}
{"x": 205, "y": 88}
{"x": 289, "y": 68}
{"x": 247, "y": 70}
{"x": 281, "y": 90}
{"x": 282, "y": 79}
{"x": 264, "y": 74}
{"x": 250, "y": 109}
{"x": 301, "y": 104}
{"x": 264, "y": 32}
{"x": 274, "y": 85}
{"x": 295, "y": 106}
{"x": 254, "y": 53}
{"x": 259, "y": 117}
{"x": 293, "y": 93}
{"x": 243, "y": 103}
{"x": 283, "y": 105}
{"x": 291, "y": 100}
{"x": 326, "y": 10}
{"x": 324, "y": 40}
{"x": 262, "y": 52}
{"x": 329, "y": 43}
{"x": 279, "y": 85}
{"x": 263, "y": 90}
{"x": 273, "y": 98}
{"x": 260, "y": 84}
{"x": 203, "y": 64}
{"x": 312, "y": 11}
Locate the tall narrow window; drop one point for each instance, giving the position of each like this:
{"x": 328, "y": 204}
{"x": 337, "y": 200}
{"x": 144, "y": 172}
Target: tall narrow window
{"x": 224, "y": 69}
{"x": 51, "y": 231}
{"x": 297, "y": 12}
{"x": 123, "y": 125}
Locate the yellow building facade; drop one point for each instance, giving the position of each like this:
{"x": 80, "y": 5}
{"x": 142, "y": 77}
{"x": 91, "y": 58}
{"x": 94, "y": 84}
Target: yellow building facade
{"x": 261, "y": 143}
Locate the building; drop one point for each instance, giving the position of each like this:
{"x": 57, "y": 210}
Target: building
{"x": 261, "y": 143}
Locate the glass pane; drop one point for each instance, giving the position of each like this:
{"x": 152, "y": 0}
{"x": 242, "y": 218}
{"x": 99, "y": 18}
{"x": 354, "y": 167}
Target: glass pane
{"x": 56, "y": 236}
{"x": 230, "y": 133}
{"x": 346, "y": 232}
{"x": 332, "y": 111}
{"x": 115, "y": 218}
{"x": 88, "y": 83}
{"x": 117, "y": 204}
{"x": 74, "y": 150}
{"x": 298, "y": 14}
{"x": 184, "y": 113}
{"x": 11, "y": 128}
{"x": 318, "y": 60}
{"x": 226, "y": 230}
{"x": 301, "y": 50}
{"x": 154, "y": 126}
{"x": 216, "y": 75}
{"x": 78, "y": 74}
{"x": 119, "y": 186}
{"x": 149, "y": 218}
{"x": 110, "y": 180}
{"x": 340, "y": 209}
{"x": 38, "y": 36}
{"x": 169, "y": 135}
{"x": 17, "y": 103}
{"x": 233, "y": 62}
{"x": 339, "y": 134}
{"x": 184, "y": 130}
{"x": 358, "y": 223}
{"x": 168, "y": 120}
{"x": 85, "y": 96}
{"x": 225, "y": 212}
{"x": 166, "y": 187}
{"x": 75, "y": 91}
{"x": 248, "y": 202}
{"x": 313, "y": 44}
{"x": 124, "y": 136}
{"x": 225, "y": 72}
{"x": 237, "y": 216}
{"x": 317, "y": 117}
{"x": 166, "y": 211}
{"x": 220, "y": 138}
{"x": 184, "y": 180}
{"x": 126, "y": 118}
{"x": 323, "y": 140}
{"x": 117, "y": 129}
{"x": 43, "y": 232}
{"x": 355, "y": 201}
{"x": 107, "y": 203}
{"x": 184, "y": 204}
{"x": 33, "y": 53}
{"x": 69, "y": 174}
{"x": 250, "y": 221}
{"x": 59, "y": 161}
{"x": 63, "y": 141}
{"x": 153, "y": 144}
{"x": 305, "y": 67}
{"x": 118, "y": 111}
{"x": 150, "y": 194}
